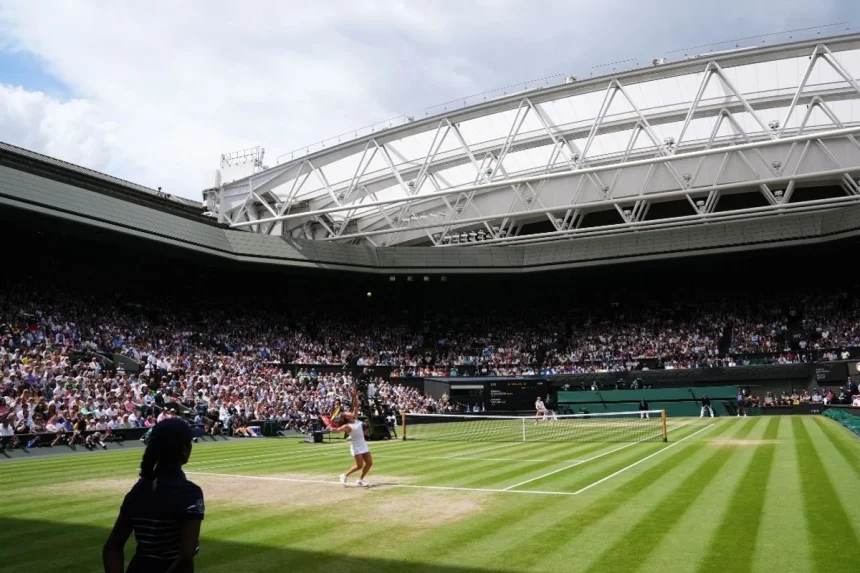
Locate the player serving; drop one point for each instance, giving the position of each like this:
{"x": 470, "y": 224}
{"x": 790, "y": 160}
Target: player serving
{"x": 354, "y": 428}
{"x": 541, "y": 410}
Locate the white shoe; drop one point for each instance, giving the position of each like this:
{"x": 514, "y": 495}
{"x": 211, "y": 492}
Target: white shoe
{"x": 362, "y": 484}
{"x": 343, "y": 479}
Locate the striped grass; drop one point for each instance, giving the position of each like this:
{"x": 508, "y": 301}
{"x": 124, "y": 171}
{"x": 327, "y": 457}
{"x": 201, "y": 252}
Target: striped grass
{"x": 752, "y": 495}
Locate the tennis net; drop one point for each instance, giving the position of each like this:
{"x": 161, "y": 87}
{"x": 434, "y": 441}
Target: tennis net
{"x": 636, "y": 426}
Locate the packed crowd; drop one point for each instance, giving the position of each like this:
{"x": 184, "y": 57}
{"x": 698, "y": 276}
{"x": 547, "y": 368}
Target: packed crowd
{"x": 225, "y": 368}
{"x": 826, "y": 323}
{"x": 221, "y": 372}
{"x": 846, "y": 395}
{"x": 707, "y": 333}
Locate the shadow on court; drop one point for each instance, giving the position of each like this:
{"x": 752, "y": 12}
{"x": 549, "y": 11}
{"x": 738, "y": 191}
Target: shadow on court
{"x": 35, "y": 546}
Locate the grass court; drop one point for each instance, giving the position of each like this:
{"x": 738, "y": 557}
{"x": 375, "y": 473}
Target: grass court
{"x": 729, "y": 495}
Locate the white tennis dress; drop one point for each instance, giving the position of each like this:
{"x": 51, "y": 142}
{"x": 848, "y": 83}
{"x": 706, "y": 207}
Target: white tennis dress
{"x": 357, "y": 443}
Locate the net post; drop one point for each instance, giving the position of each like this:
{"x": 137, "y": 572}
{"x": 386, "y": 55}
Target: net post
{"x": 662, "y": 419}
{"x": 524, "y": 429}
{"x": 403, "y": 420}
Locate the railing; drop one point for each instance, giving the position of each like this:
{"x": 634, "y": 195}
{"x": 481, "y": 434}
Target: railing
{"x": 345, "y": 137}
{"x": 74, "y": 440}
{"x": 551, "y": 81}
{"x": 69, "y": 439}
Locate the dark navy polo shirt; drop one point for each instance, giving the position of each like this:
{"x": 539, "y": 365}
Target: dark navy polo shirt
{"x": 156, "y": 515}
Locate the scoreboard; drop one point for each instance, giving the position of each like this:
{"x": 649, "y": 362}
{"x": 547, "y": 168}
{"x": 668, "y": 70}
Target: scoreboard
{"x": 513, "y": 395}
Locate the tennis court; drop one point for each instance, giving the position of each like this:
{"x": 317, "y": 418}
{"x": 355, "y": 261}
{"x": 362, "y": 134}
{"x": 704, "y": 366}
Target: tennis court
{"x": 748, "y": 494}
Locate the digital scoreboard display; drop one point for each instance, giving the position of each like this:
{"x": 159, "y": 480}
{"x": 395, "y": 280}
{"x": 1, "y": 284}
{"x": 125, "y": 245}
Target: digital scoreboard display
{"x": 515, "y": 395}
{"x": 831, "y": 372}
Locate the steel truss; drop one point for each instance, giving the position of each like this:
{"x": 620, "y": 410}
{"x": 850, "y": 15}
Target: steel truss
{"x": 573, "y": 179}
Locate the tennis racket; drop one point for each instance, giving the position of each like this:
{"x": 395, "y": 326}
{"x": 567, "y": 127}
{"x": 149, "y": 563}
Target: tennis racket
{"x": 328, "y": 420}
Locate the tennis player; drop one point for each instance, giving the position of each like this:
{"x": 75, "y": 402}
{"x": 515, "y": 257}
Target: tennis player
{"x": 354, "y": 428}
{"x": 541, "y": 409}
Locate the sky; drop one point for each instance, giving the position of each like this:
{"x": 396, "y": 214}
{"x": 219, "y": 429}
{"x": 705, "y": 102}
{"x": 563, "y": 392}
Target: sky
{"x": 155, "y": 91}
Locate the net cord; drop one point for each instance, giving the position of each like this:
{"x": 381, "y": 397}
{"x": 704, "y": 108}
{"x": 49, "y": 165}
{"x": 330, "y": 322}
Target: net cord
{"x": 532, "y": 417}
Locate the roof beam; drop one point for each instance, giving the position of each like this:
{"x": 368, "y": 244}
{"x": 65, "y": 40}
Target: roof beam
{"x": 484, "y": 187}
{"x": 672, "y": 69}
{"x": 384, "y": 181}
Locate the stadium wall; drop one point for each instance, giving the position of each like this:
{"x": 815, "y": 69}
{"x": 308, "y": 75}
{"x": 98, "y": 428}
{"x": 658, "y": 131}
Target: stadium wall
{"x": 676, "y": 401}
{"x": 55, "y": 193}
{"x": 775, "y": 375}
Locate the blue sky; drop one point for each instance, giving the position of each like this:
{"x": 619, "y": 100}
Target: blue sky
{"x": 20, "y": 68}
{"x": 155, "y": 91}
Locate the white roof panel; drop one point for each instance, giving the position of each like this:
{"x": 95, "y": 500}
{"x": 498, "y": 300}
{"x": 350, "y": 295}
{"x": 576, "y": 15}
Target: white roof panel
{"x": 767, "y": 78}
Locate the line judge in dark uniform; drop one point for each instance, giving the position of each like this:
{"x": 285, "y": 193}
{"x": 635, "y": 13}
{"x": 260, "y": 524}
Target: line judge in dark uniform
{"x": 164, "y": 510}
{"x": 643, "y": 408}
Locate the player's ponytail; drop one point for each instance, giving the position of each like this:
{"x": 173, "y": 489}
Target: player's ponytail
{"x": 149, "y": 461}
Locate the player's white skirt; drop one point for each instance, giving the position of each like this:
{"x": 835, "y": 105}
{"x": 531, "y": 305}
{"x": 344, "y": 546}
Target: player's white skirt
{"x": 358, "y": 451}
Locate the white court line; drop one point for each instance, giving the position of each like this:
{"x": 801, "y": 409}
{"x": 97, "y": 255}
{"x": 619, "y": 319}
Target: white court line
{"x": 277, "y": 457}
{"x": 582, "y": 462}
{"x": 393, "y": 485}
{"x": 267, "y": 458}
{"x": 245, "y": 460}
{"x": 442, "y": 458}
{"x": 634, "y": 464}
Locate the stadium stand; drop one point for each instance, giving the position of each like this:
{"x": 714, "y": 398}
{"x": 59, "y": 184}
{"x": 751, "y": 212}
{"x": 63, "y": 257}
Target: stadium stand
{"x": 113, "y": 343}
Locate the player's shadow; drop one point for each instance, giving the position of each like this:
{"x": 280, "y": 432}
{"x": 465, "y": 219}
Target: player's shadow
{"x": 30, "y": 546}
{"x": 382, "y": 484}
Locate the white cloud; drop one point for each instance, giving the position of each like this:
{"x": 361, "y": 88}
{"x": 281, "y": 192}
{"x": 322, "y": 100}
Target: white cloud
{"x": 162, "y": 88}
{"x": 72, "y": 130}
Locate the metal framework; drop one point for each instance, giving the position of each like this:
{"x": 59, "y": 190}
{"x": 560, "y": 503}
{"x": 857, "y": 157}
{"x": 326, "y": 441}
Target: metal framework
{"x": 764, "y": 120}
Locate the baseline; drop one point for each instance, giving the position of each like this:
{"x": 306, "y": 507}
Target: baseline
{"x": 393, "y": 485}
